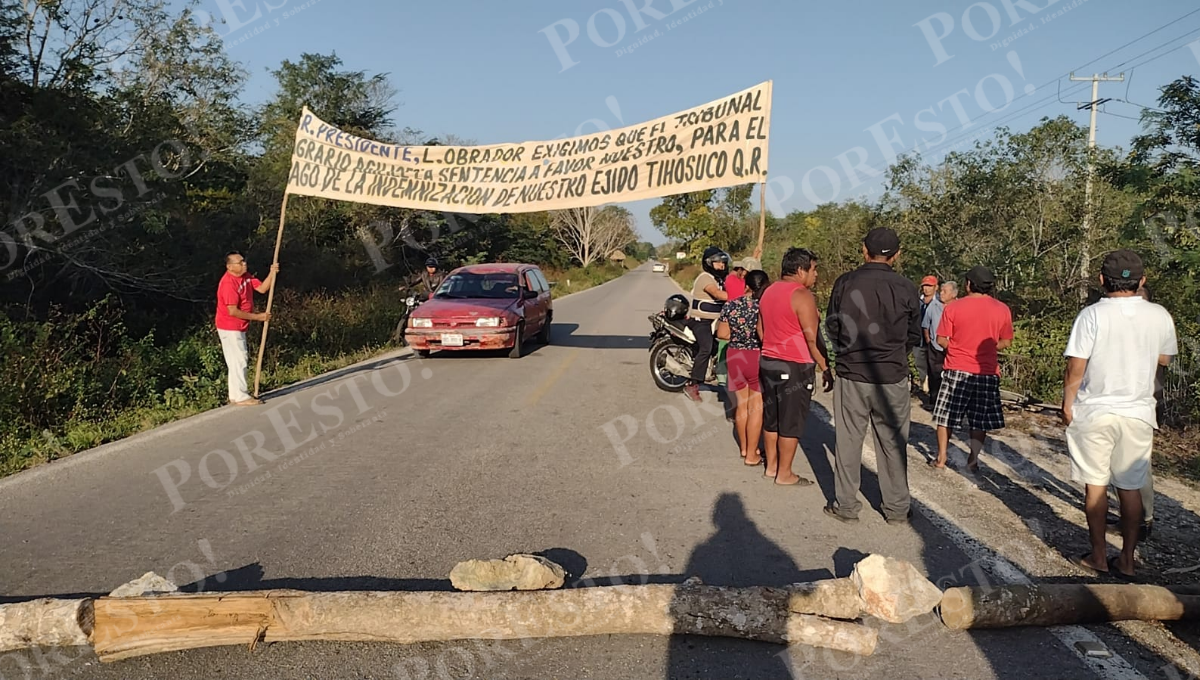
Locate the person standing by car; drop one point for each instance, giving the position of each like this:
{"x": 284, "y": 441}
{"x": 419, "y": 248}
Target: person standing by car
{"x": 235, "y": 311}
{"x": 739, "y": 325}
{"x": 874, "y": 321}
{"x": 708, "y": 297}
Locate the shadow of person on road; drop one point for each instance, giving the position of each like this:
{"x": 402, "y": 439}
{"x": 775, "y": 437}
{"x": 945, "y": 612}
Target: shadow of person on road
{"x": 739, "y": 555}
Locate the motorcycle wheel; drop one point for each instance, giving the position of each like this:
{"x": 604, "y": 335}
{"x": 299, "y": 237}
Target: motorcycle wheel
{"x": 663, "y": 379}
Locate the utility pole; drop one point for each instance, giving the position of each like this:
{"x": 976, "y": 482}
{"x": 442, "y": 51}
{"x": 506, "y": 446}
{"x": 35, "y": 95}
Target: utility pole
{"x": 1085, "y": 255}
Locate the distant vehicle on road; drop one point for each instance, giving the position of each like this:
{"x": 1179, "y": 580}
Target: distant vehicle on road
{"x": 484, "y": 306}
{"x": 659, "y": 267}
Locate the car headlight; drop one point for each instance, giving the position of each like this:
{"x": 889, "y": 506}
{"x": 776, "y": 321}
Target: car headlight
{"x": 422, "y": 323}
{"x": 488, "y": 322}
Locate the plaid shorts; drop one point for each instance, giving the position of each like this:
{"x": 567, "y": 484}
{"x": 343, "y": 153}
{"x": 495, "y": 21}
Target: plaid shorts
{"x": 977, "y": 397}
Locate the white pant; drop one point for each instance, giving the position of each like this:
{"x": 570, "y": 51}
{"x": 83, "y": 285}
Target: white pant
{"x": 233, "y": 343}
{"x": 1111, "y": 449}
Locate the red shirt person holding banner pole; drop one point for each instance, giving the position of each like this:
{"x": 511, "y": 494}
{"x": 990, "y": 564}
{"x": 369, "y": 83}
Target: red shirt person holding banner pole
{"x": 235, "y": 311}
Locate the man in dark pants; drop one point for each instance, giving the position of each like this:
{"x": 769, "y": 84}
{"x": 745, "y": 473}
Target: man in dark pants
{"x": 708, "y": 298}
{"x": 874, "y": 321}
{"x": 936, "y": 354}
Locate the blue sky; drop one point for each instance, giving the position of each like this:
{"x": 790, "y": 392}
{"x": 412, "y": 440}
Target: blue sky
{"x": 490, "y": 71}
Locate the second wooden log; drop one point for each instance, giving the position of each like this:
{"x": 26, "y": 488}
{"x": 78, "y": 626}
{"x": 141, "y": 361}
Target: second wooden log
{"x": 1062, "y": 604}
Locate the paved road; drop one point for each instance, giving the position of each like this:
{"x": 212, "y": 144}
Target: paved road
{"x": 383, "y": 476}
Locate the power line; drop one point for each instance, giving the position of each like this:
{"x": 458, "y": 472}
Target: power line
{"x": 1118, "y": 115}
{"x": 1041, "y": 103}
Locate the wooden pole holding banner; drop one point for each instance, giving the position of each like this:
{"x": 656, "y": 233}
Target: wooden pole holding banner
{"x": 762, "y": 215}
{"x": 262, "y": 345}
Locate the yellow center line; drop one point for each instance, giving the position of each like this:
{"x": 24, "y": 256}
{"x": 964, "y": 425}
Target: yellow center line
{"x": 551, "y": 379}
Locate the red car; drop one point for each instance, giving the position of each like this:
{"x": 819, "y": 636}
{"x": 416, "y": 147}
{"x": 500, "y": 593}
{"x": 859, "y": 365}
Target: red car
{"x": 484, "y": 306}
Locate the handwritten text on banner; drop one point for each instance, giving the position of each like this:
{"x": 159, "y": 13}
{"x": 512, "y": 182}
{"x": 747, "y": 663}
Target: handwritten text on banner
{"x": 719, "y": 144}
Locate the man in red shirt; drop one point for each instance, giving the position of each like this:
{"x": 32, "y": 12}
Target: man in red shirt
{"x": 789, "y": 325}
{"x": 235, "y": 311}
{"x": 974, "y": 329}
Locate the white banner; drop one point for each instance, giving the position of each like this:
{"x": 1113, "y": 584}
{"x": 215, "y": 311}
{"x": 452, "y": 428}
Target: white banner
{"x": 719, "y": 144}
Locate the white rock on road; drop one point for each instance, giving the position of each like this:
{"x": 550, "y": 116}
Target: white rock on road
{"x": 894, "y": 590}
{"x": 515, "y": 572}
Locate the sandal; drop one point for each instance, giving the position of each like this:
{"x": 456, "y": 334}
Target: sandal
{"x": 1116, "y": 573}
{"x": 1081, "y": 562}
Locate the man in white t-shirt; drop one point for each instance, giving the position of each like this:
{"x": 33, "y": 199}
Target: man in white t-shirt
{"x": 1115, "y": 348}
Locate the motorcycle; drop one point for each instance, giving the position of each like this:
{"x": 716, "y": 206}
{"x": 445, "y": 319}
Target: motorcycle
{"x": 673, "y": 349}
{"x": 411, "y": 303}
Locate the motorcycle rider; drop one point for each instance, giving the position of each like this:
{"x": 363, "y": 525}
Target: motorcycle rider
{"x": 432, "y": 277}
{"x": 423, "y": 287}
{"x": 708, "y": 298}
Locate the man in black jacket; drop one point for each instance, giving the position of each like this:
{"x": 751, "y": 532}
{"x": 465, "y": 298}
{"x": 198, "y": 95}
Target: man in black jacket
{"x": 874, "y": 321}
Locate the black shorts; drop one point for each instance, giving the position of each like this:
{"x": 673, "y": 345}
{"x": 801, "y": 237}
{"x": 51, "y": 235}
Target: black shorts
{"x": 787, "y": 389}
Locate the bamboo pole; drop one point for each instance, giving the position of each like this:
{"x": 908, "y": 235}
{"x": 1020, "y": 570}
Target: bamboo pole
{"x": 262, "y": 345}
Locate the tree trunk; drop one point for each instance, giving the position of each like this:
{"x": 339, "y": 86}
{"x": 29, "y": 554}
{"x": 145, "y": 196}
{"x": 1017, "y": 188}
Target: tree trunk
{"x": 127, "y": 627}
{"x": 45, "y": 623}
{"x": 1061, "y": 604}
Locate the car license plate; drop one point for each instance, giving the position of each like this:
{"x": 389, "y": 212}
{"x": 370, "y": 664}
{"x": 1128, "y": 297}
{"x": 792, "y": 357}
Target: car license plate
{"x": 452, "y": 340}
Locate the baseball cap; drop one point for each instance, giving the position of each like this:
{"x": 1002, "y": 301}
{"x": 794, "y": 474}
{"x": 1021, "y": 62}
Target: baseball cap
{"x": 738, "y": 264}
{"x": 1122, "y": 264}
{"x": 929, "y": 281}
{"x": 881, "y": 241}
{"x": 751, "y": 264}
{"x": 981, "y": 276}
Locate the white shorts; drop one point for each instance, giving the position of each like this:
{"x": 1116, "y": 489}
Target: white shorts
{"x": 1111, "y": 449}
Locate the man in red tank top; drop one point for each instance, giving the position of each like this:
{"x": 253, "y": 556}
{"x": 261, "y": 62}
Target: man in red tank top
{"x": 788, "y": 323}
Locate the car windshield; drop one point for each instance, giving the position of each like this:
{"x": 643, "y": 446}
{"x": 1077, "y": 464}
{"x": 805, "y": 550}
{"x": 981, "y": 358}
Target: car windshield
{"x": 488, "y": 286}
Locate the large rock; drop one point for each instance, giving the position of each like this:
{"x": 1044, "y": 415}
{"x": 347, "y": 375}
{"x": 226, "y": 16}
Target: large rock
{"x": 515, "y": 572}
{"x": 893, "y": 590}
{"x": 149, "y": 583}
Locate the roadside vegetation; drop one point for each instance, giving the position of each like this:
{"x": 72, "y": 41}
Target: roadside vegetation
{"x": 106, "y": 306}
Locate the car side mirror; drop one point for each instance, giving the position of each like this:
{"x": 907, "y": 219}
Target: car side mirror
{"x": 528, "y": 294}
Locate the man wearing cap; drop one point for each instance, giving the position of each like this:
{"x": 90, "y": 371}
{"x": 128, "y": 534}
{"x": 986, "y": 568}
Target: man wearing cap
{"x": 929, "y": 287}
{"x": 973, "y": 331}
{"x": 1114, "y": 351}
{"x": 934, "y": 353}
{"x": 736, "y": 285}
{"x": 874, "y": 321}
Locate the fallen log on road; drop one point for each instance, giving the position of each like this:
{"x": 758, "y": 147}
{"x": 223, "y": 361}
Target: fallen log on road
{"x": 1062, "y": 604}
{"x": 127, "y": 627}
{"x": 124, "y": 627}
{"x": 45, "y": 623}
